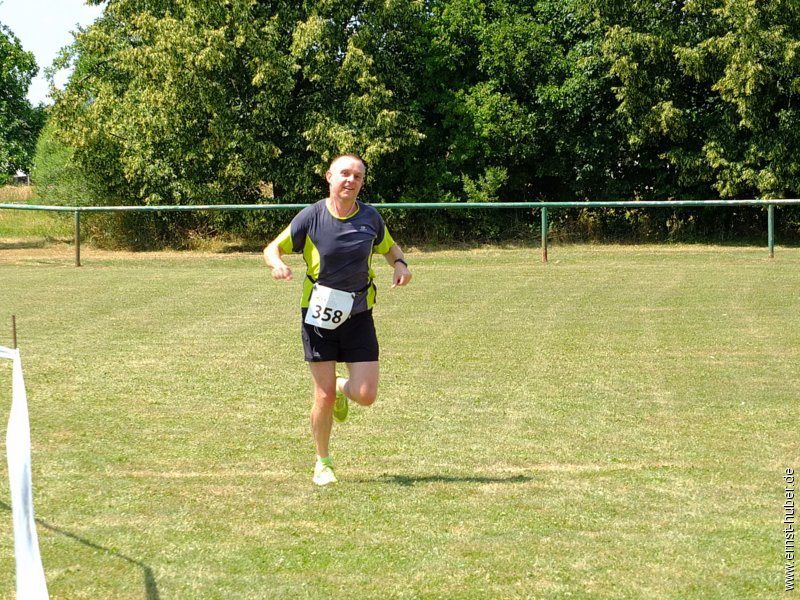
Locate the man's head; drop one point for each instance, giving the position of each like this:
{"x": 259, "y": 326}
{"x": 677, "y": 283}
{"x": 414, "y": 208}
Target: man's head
{"x": 345, "y": 176}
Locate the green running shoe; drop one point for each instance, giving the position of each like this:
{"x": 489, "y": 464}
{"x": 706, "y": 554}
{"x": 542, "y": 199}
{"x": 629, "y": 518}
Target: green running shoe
{"x": 323, "y": 473}
{"x": 341, "y": 407}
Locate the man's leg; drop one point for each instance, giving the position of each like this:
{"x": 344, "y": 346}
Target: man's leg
{"x": 323, "y": 375}
{"x": 362, "y": 386}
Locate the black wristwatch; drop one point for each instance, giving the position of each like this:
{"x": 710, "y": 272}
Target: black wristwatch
{"x": 401, "y": 261}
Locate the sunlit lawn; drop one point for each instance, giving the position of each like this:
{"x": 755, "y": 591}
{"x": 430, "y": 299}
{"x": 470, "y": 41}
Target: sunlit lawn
{"x": 613, "y": 424}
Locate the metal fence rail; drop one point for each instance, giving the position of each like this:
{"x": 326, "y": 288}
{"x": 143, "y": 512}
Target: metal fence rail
{"x": 543, "y": 206}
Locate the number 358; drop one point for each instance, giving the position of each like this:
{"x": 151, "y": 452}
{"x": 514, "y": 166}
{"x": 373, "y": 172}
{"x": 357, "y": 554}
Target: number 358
{"x": 327, "y": 314}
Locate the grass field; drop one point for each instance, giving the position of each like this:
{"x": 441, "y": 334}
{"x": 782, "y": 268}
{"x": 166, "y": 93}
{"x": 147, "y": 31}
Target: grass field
{"x": 28, "y": 227}
{"x": 614, "y": 424}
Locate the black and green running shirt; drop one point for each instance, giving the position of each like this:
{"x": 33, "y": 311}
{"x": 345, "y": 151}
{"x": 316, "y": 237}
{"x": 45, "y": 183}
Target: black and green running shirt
{"x": 338, "y": 251}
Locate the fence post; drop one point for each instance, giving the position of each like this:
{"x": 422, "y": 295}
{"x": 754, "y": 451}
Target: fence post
{"x": 77, "y": 237}
{"x": 544, "y": 234}
{"x": 771, "y": 230}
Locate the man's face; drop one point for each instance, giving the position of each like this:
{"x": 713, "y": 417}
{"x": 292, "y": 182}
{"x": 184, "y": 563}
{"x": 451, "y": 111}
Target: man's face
{"x": 345, "y": 178}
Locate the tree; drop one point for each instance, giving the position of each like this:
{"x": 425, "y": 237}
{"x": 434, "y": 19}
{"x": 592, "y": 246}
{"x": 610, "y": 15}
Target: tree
{"x": 707, "y": 90}
{"x": 171, "y": 101}
{"x": 749, "y": 59}
{"x": 20, "y": 123}
{"x": 523, "y": 100}
{"x": 183, "y": 101}
{"x": 193, "y": 102}
{"x": 357, "y": 67}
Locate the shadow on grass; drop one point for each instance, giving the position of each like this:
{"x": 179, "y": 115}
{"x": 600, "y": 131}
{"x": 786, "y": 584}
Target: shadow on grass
{"x": 409, "y": 480}
{"x": 150, "y": 587}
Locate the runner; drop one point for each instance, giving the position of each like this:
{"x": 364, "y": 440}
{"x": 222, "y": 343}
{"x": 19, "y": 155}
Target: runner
{"x": 337, "y": 237}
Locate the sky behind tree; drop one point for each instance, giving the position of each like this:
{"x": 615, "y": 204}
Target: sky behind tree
{"x": 43, "y": 28}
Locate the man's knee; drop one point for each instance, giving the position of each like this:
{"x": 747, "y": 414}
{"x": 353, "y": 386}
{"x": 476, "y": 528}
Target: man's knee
{"x": 365, "y": 393}
{"x": 325, "y": 397}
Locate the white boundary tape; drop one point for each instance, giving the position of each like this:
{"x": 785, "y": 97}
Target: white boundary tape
{"x": 31, "y": 584}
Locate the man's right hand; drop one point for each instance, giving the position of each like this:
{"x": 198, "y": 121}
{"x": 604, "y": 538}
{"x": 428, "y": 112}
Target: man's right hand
{"x": 282, "y": 272}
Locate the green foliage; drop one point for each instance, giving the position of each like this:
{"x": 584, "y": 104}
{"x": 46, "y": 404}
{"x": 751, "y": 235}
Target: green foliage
{"x": 173, "y": 101}
{"x": 710, "y": 87}
{"x": 193, "y": 103}
{"x": 181, "y": 101}
{"x": 356, "y": 64}
{"x": 57, "y": 178}
{"x": 20, "y": 123}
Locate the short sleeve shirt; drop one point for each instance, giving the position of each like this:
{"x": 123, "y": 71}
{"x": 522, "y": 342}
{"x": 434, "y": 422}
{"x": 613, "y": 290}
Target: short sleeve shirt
{"x": 338, "y": 251}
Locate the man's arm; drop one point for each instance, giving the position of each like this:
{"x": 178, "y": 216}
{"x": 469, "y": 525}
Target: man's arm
{"x": 396, "y": 258}
{"x": 273, "y": 255}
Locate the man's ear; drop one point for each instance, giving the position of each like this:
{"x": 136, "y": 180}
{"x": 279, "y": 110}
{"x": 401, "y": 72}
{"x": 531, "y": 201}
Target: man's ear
{"x": 328, "y": 176}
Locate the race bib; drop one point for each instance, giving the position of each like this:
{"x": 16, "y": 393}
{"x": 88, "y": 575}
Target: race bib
{"x": 328, "y": 308}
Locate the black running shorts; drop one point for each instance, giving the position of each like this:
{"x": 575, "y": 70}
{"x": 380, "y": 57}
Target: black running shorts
{"x": 354, "y": 340}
